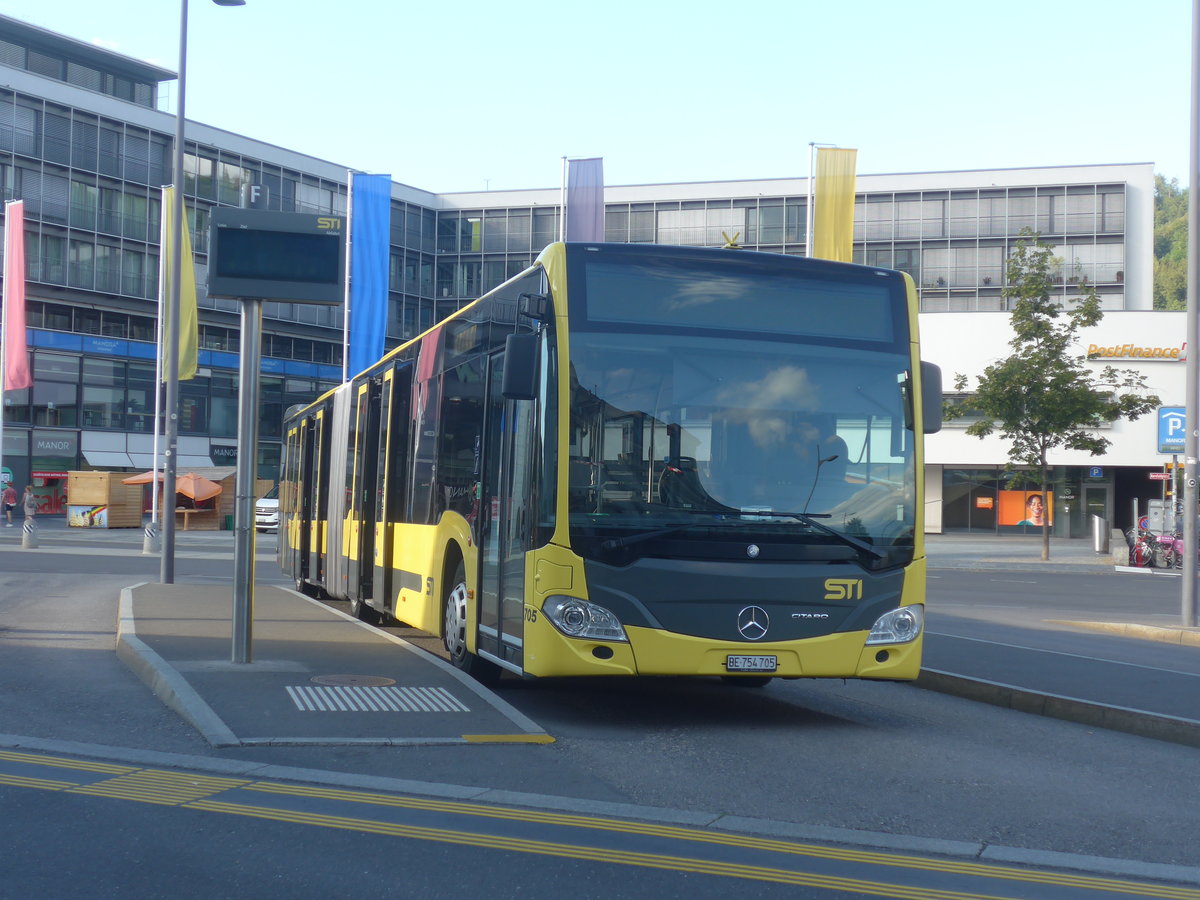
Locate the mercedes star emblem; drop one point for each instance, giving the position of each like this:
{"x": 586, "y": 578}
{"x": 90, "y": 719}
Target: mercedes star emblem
{"x": 752, "y": 551}
{"x": 753, "y": 622}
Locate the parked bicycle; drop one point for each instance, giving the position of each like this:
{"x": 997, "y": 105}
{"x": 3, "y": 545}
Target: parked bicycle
{"x": 1142, "y": 548}
{"x": 1168, "y": 551}
{"x": 1148, "y": 550}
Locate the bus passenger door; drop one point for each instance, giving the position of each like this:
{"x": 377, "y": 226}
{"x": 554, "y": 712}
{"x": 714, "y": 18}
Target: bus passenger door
{"x": 361, "y": 512}
{"x": 302, "y": 501}
{"x": 381, "y": 564}
{"x": 505, "y": 521}
{"x": 318, "y": 501}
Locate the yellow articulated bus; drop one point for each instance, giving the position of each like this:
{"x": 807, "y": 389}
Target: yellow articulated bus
{"x": 635, "y": 460}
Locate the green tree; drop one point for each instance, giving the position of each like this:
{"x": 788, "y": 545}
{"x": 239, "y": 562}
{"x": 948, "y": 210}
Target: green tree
{"x": 1044, "y": 395}
{"x": 1170, "y": 244}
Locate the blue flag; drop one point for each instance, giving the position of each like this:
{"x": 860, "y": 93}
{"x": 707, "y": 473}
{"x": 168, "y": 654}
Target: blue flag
{"x": 370, "y": 229}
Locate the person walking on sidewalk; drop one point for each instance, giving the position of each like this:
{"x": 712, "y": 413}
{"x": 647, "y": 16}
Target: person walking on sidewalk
{"x": 29, "y": 501}
{"x": 10, "y": 500}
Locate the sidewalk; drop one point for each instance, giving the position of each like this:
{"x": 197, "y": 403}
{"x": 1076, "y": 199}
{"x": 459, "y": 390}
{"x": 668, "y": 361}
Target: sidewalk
{"x": 975, "y": 551}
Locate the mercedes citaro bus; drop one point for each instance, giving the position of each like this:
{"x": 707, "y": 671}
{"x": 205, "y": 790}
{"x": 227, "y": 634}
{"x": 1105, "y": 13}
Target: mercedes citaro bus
{"x": 635, "y": 460}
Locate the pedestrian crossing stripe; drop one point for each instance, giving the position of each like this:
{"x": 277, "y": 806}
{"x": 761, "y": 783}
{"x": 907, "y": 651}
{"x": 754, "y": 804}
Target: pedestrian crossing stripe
{"x": 391, "y": 698}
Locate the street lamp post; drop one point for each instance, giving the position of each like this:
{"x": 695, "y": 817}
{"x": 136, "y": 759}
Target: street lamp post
{"x": 171, "y": 339}
{"x": 1188, "y": 606}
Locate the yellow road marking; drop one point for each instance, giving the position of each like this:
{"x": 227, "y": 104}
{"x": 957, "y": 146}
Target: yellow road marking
{"x": 167, "y": 788}
{"x": 63, "y": 763}
{"x": 594, "y": 854}
{"x": 196, "y": 792}
{"x": 842, "y": 854}
{"x": 45, "y": 784}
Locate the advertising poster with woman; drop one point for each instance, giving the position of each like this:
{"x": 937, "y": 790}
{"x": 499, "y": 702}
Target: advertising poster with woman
{"x": 1026, "y": 508}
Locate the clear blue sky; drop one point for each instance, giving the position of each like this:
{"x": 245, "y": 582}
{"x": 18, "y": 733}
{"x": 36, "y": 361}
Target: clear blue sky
{"x": 461, "y": 96}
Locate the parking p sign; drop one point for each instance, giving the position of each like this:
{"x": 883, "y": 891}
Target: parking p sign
{"x": 1172, "y": 429}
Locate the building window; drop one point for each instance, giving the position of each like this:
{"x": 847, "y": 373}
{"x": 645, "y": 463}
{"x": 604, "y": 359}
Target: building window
{"x": 44, "y": 64}
{"x": 85, "y": 76}
{"x": 55, "y": 403}
{"x": 139, "y": 397}
{"x": 81, "y": 271}
{"x": 103, "y": 394}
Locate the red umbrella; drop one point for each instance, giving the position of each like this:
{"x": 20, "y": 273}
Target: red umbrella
{"x": 189, "y": 484}
{"x": 144, "y": 478}
{"x": 196, "y": 486}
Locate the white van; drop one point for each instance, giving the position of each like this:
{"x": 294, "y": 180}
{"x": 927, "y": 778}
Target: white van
{"x": 266, "y": 511}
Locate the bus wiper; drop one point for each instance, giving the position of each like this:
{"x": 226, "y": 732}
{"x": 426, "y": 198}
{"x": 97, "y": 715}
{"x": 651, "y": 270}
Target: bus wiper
{"x": 631, "y": 539}
{"x": 810, "y": 519}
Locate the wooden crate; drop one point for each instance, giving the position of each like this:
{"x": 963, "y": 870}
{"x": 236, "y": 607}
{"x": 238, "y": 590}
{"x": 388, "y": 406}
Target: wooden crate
{"x": 100, "y": 500}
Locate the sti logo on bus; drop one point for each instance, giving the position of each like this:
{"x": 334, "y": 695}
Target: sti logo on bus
{"x": 843, "y": 588}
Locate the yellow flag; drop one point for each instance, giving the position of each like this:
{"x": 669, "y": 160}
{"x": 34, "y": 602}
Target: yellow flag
{"x": 833, "y": 204}
{"x": 189, "y": 338}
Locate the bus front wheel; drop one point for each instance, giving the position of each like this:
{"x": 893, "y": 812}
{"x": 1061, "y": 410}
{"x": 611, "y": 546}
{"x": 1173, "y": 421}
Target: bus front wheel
{"x": 454, "y": 632}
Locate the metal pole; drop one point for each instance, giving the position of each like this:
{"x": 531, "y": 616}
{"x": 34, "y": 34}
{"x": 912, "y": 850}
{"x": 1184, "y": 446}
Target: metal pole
{"x": 810, "y": 215}
{"x": 171, "y": 344}
{"x": 152, "y": 539}
{"x": 808, "y": 211}
{"x": 562, "y": 203}
{"x": 1188, "y": 598}
{"x": 247, "y": 470}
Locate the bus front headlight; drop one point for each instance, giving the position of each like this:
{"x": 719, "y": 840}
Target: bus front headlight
{"x": 900, "y": 626}
{"x": 580, "y": 619}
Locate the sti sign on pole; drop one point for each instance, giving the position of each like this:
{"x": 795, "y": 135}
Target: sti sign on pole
{"x": 1172, "y": 429}
{"x": 256, "y": 255}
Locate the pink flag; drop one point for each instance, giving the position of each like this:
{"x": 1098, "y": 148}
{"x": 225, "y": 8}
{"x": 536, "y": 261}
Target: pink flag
{"x": 16, "y": 354}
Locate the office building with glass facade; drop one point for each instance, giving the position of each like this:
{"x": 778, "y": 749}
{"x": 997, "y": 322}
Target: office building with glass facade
{"x": 84, "y": 141}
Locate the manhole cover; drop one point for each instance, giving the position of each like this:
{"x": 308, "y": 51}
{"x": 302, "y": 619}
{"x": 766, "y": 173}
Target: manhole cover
{"x": 354, "y": 680}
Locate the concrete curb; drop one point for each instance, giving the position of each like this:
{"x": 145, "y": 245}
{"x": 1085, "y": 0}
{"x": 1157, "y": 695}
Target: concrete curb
{"x": 1180, "y": 635}
{"x": 1072, "y": 709}
{"x": 164, "y": 682}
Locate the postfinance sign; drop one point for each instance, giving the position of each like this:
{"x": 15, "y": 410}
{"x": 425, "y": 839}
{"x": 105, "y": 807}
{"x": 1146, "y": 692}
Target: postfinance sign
{"x": 1136, "y": 351}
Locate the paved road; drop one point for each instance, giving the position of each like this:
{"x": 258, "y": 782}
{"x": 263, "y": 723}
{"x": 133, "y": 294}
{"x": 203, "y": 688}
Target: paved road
{"x": 1075, "y": 637}
{"x": 774, "y": 759}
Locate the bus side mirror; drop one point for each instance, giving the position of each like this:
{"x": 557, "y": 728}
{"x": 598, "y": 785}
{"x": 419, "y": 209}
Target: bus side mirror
{"x": 520, "y": 367}
{"x": 931, "y": 396}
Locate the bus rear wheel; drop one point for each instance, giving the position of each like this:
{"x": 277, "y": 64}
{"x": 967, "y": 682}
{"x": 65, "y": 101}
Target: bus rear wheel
{"x": 454, "y": 632}
{"x": 364, "y": 613}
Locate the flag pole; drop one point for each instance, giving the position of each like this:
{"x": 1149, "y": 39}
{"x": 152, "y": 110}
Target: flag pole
{"x": 562, "y": 203}
{"x": 151, "y": 542}
{"x": 810, "y": 211}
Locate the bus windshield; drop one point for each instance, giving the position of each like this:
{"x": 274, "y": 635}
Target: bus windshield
{"x": 680, "y": 440}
